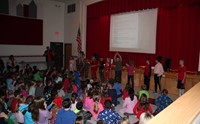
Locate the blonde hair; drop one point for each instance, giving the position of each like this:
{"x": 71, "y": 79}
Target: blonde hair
{"x": 124, "y": 120}
{"x": 145, "y": 117}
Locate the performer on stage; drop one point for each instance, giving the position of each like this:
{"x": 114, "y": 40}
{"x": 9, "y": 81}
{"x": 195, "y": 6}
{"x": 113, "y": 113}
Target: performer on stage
{"x": 118, "y": 66}
{"x": 158, "y": 72}
{"x": 107, "y": 69}
{"x": 181, "y": 77}
{"x": 147, "y": 73}
{"x": 94, "y": 67}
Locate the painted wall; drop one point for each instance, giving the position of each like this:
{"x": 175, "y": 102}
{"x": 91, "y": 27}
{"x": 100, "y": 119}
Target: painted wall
{"x": 74, "y": 20}
{"x": 52, "y": 14}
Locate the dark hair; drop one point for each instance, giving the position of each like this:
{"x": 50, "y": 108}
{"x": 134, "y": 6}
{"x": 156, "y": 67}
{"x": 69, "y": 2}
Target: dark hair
{"x": 79, "y": 105}
{"x": 66, "y": 103}
{"x": 16, "y": 93}
{"x": 31, "y": 107}
{"x": 164, "y": 92}
{"x": 101, "y": 122}
{"x": 78, "y": 120}
{"x": 74, "y": 97}
{"x": 37, "y": 104}
{"x": 144, "y": 102}
{"x": 131, "y": 93}
{"x": 29, "y": 99}
{"x": 107, "y": 104}
{"x": 159, "y": 58}
{"x": 144, "y": 87}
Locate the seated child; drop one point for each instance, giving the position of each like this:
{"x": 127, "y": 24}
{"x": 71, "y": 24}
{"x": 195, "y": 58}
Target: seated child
{"x": 95, "y": 106}
{"x": 129, "y": 103}
{"x": 125, "y": 91}
{"x": 65, "y": 115}
{"x": 142, "y": 106}
{"x": 143, "y": 91}
{"x": 162, "y": 101}
{"x": 79, "y": 111}
{"x": 109, "y": 115}
{"x": 118, "y": 87}
{"x": 112, "y": 92}
{"x": 145, "y": 117}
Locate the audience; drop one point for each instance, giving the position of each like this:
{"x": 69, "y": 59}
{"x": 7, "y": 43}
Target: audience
{"x": 59, "y": 96}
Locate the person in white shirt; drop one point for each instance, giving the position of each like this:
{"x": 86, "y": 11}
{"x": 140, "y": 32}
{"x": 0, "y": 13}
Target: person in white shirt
{"x": 158, "y": 72}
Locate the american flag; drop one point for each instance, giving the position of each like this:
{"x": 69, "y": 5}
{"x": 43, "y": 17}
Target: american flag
{"x": 78, "y": 39}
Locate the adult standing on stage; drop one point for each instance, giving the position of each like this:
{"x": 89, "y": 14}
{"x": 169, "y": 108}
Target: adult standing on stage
{"x": 181, "y": 77}
{"x": 158, "y": 72}
{"x": 49, "y": 54}
{"x": 118, "y": 66}
{"x": 147, "y": 73}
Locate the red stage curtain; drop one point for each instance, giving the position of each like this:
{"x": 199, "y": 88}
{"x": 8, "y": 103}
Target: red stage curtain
{"x": 178, "y": 29}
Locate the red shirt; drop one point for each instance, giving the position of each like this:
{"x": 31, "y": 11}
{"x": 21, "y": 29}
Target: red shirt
{"x": 13, "y": 105}
{"x": 108, "y": 66}
{"x": 138, "y": 111}
{"x": 66, "y": 84}
{"x": 94, "y": 65}
{"x": 124, "y": 94}
{"x": 147, "y": 70}
{"x": 103, "y": 99}
{"x": 58, "y": 101}
{"x": 181, "y": 71}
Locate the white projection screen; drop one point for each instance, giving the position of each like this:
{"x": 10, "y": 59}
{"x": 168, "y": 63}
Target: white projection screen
{"x": 134, "y": 31}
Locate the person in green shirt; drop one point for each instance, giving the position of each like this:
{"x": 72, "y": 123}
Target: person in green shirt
{"x": 143, "y": 91}
{"x": 7, "y": 119}
{"x": 36, "y": 76}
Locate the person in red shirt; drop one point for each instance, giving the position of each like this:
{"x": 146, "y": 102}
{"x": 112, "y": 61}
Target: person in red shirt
{"x": 107, "y": 70}
{"x": 14, "y": 102}
{"x": 142, "y": 106}
{"x": 125, "y": 91}
{"x": 57, "y": 99}
{"x": 181, "y": 77}
{"x": 94, "y": 67}
{"x": 147, "y": 73}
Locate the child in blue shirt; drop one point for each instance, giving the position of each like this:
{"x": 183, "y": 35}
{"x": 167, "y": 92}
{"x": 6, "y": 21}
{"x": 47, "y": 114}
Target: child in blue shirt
{"x": 65, "y": 115}
{"x": 162, "y": 101}
{"x": 108, "y": 115}
{"x": 118, "y": 87}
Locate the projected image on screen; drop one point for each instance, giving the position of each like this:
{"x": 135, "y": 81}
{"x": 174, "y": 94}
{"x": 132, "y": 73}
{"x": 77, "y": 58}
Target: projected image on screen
{"x": 134, "y": 31}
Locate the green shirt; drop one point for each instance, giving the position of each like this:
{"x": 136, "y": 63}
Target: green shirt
{"x": 76, "y": 111}
{"x": 143, "y": 92}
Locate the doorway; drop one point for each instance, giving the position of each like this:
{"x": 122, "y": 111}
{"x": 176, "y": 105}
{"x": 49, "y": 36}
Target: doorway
{"x": 68, "y": 54}
{"x": 57, "y": 48}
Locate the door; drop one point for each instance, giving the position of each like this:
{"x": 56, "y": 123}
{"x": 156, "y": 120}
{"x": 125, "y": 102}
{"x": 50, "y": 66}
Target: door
{"x": 68, "y": 54}
{"x": 57, "y": 48}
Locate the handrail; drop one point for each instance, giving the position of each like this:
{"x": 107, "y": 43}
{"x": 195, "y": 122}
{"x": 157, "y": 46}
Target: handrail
{"x": 182, "y": 111}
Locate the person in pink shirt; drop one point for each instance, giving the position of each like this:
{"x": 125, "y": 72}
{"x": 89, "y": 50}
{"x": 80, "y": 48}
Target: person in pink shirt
{"x": 158, "y": 72}
{"x": 95, "y": 106}
{"x": 88, "y": 100}
{"x": 129, "y": 103}
{"x": 130, "y": 69}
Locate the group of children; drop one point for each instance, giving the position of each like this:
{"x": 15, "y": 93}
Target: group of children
{"x": 59, "y": 96}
